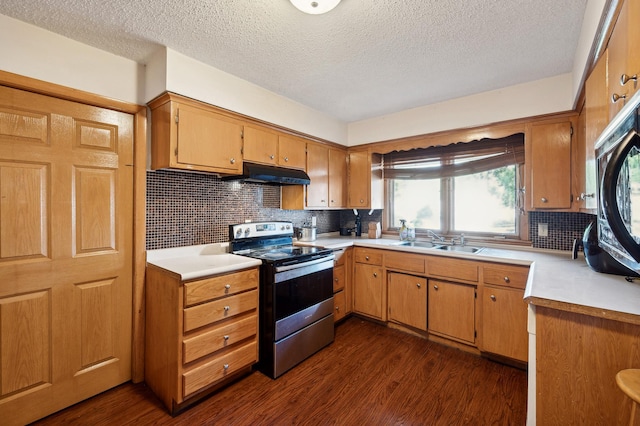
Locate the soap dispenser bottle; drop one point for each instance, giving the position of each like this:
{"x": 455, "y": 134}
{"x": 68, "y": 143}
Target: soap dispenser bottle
{"x": 403, "y": 230}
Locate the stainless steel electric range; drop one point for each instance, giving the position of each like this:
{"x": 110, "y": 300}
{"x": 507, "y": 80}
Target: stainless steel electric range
{"x": 296, "y": 293}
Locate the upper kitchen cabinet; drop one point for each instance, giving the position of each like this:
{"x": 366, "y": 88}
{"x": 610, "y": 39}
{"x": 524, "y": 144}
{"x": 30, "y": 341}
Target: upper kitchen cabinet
{"x": 291, "y": 152}
{"x": 596, "y": 116}
{"x": 623, "y": 58}
{"x": 190, "y": 135}
{"x": 260, "y": 145}
{"x": 548, "y": 179}
{"x": 327, "y": 169}
{"x": 365, "y": 183}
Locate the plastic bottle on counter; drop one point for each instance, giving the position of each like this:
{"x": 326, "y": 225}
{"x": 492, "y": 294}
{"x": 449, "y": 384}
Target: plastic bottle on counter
{"x": 403, "y": 230}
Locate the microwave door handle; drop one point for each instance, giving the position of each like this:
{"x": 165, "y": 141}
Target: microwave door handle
{"x": 609, "y": 194}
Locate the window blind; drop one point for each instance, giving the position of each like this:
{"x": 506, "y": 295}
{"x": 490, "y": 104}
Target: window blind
{"x": 456, "y": 159}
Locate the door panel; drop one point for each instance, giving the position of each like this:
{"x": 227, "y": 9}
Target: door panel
{"x": 66, "y": 216}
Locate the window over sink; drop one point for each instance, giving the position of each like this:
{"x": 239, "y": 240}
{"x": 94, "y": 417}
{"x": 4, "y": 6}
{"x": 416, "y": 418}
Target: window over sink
{"x": 470, "y": 188}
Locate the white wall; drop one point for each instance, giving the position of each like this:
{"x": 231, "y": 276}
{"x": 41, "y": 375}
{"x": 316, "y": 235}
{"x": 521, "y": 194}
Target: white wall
{"x": 34, "y": 52}
{"x": 197, "y": 80}
{"x": 524, "y": 100}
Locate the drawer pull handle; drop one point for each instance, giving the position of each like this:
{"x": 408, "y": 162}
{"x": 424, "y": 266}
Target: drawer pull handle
{"x": 507, "y": 280}
{"x": 226, "y": 308}
{"x": 615, "y": 97}
{"x": 419, "y": 286}
{"x": 226, "y": 337}
{"x": 544, "y": 200}
{"x": 492, "y": 297}
{"x": 335, "y": 279}
{"x": 624, "y": 78}
{"x": 227, "y": 286}
{"x": 435, "y": 287}
{"x": 226, "y": 366}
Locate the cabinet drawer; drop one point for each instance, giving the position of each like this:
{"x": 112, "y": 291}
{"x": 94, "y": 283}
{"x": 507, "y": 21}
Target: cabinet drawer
{"x": 223, "y": 285}
{"x": 218, "y": 368}
{"x": 452, "y": 269}
{"x": 370, "y": 256}
{"x": 338, "y": 278}
{"x": 340, "y": 257}
{"x": 208, "y": 313}
{"x": 339, "y": 306}
{"x": 404, "y": 261}
{"x": 506, "y": 275}
{"x": 219, "y": 338}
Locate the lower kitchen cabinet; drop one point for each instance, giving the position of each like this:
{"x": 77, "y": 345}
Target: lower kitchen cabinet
{"x": 503, "y": 324}
{"x": 342, "y": 283}
{"x": 369, "y": 291}
{"x": 200, "y": 334}
{"x": 407, "y": 300}
{"x": 451, "y": 311}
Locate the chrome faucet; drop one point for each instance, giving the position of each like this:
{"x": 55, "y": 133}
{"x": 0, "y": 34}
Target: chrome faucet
{"x": 461, "y": 239}
{"x": 435, "y": 236}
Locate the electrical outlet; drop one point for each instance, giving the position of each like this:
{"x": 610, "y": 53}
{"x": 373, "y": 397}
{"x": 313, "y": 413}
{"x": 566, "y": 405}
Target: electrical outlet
{"x": 543, "y": 230}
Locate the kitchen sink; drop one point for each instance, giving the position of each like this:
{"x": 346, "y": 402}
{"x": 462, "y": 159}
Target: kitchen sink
{"x": 423, "y": 244}
{"x": 464, "y": 249}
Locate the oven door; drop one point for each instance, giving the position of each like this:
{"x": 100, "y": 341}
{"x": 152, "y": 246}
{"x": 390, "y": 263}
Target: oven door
{"x": 619, "y": 225}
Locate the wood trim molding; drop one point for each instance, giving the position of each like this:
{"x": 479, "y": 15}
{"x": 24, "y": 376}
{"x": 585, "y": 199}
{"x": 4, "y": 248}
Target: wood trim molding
{"x": 139, "y": 192}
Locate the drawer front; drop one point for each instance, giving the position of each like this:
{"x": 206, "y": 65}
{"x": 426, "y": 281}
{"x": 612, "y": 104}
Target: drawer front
{"x": 212, "y": 288}
{"x": 219, "y": 338}
{"x": 219, "y": 368}
{"x": 340, "y": 257}
{"x": 339, "y": 306}
{"x": 208, "y": 313}
{"x": 506, "y": 275}
{"x": 452, "y": 269}
{"x": 338, "y": 278}
{"x": 370, "y": 256}
{"x": 404, "y": 261}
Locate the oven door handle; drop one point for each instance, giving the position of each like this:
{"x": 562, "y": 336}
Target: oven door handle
{"x": 303, "y": 264}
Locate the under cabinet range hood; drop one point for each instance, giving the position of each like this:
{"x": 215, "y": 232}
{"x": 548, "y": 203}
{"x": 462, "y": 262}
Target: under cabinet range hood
{"x": 252, "y": 172}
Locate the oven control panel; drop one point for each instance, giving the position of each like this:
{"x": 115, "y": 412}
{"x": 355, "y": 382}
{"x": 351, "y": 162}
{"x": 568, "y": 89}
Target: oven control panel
{"x": 260, "y": 229}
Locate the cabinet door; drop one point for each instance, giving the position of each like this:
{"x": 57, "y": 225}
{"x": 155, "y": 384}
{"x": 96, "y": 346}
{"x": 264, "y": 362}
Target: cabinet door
{"x": 408, "y": 300}
{"x": 318, "y": 171}
{"x": 617, "y": 63}
{"x": 208, "y": 140}
{"x": 504, "y": 322}
{"x": 292, "y": 152}
{"x": 359, "y": 179}
{"x": 452, "y": 310}
{"x": 369, "y": 291}
{"x": 337, "y": 177}
{"x": 260, "y": 146}
{"x": 550, "y": 165}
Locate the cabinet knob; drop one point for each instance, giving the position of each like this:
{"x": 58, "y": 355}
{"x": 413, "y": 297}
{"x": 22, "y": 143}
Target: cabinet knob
{"x": 227, "y": 286}
{"x": 615, "y": 97}
{"x": 375, "y": 275}
{"x": 507, "y": 279}
{"x": 226, "y": 367}
{"x": 226, "y": 337}
{"x": 322, "y": 201}
{"x": 226, "y": 308}
{"x": 232, "y": 161}
{"x": 337, "y": 308}
{"x": 286, "y": 159}
{"x": 435, "y": 287}
{"x": 583, "y": 196}
{"x": 492, "y": 297}
{"x": 271, "y": 157}
{"x": 366, "y": 258}
{"x": 418, "y": 285}
{"x": 544, "y": 200}
{"x": 361, "y": 201}
{"x": 624, "y": 78}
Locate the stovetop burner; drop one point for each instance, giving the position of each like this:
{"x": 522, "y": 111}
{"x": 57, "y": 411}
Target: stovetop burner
{"x": 282, "y": 252}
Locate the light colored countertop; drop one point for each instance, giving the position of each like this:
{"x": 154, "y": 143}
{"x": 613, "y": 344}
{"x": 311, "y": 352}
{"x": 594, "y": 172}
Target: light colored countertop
{"x": 555, "y": 280}
{"x": 199, "y": 261}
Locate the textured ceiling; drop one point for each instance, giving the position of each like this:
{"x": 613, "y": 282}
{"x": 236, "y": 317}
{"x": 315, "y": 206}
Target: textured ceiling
{"x": 363, "y": 59}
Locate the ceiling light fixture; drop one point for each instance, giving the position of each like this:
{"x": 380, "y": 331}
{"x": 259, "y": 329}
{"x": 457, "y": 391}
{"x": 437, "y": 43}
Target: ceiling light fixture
{"x": 315, "y": 7}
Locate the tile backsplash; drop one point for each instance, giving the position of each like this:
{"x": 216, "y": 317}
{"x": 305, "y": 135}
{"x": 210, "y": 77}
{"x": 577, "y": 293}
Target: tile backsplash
{"x": 186, "y": 208}
{"x": 563, "y": 228}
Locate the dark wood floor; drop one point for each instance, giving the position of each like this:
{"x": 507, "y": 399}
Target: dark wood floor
{"x": 370, "y": 375}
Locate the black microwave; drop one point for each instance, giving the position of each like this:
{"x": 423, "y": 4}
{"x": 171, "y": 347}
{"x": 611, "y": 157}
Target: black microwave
{"x": 617, "y": 153}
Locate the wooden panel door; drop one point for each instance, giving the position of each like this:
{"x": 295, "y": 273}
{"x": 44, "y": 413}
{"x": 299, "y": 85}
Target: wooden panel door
{"x": 452, "y": 310}
{"x": 359, "y": 180}
{"x": 337, "y": 178}
{"x": 318, "y": 171}
{"x": 551, "y": 165}
{"x": 292, "y": 152}
{"x": 369, "y": 291}
{"x": 66, "y": 181}
{"x": 504, "y": 323}
{"x": 408, "y": 300}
